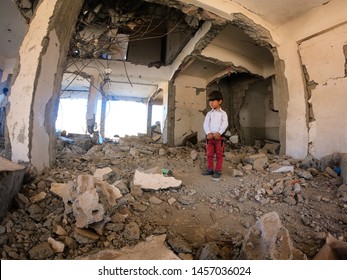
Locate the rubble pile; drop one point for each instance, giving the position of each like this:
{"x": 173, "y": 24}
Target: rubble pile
{"x": 104, "y": 201}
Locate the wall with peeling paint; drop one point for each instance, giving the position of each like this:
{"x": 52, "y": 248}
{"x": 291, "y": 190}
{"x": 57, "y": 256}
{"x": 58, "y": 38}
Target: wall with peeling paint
{"x": 301, "y": 135}
{"x": 325, "y": 62}
{"x": 190, "y": 101}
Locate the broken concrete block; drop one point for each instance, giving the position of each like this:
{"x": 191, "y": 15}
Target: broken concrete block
{"x": 65, "y": 191}
{"x": 110, "y": 192}
{"x": 11, "y": 183}
{"x": 269, "y": 239}
{"x": 258, "y": 161}
{"x": 41, "y": 251}
{"x": 84, "y": 236}
{"x": 272, "y": 148}
{"x": 282, "y": 169}
{"x": 304, "y": 174}
{"x": 132, "y": 231}
{"x": 56, "y": 245}
{"x": 101, "y": 172}
{"x": 331, "y": 172}
{"x": 194, "y": 154}
{"x": 38, "y": 197}
{"x": 84, "y": 183}
{"x": 22, "y": 201}
{"x": 155, "y": 181}
{"x": 153, "y": 248}
{"x": 87, "y": 209}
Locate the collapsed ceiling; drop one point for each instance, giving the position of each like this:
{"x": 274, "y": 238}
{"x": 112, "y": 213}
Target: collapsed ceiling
{"x": 128, "y": 29}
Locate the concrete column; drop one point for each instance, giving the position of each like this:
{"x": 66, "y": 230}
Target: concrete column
{"x": 170, "y": 119}
{"x": 149, "y": 117}
{"x": 92, "y": 103}
{"x": 103, "y": 117}
{"x": 34, "y": 99}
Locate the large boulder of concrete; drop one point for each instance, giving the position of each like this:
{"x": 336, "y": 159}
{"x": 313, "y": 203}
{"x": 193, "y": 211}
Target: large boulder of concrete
{"x": 11, "y": 183}
{"x": 268, "y": 239}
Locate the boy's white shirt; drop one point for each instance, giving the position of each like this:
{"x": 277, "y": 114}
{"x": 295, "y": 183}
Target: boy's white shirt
{"x": 216, "y": 121}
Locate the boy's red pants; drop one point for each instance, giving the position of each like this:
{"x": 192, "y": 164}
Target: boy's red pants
{"x": 213, "y": 147}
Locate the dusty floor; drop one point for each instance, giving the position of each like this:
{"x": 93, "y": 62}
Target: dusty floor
{"x": 200, "y": 211}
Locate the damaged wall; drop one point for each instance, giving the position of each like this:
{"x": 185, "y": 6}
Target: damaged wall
{"x": 34, "y": 94}
{"x": 256, "y": 118}
{"x": 190, "y": 101}
{"x": 327, "y": 95}
{"x": 323, "y": 19}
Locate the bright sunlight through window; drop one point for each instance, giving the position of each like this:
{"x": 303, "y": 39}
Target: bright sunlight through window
{"x": 122, "y": 117}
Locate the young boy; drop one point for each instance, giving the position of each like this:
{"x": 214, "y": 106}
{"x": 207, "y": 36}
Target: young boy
{"x": 215, "y": 124}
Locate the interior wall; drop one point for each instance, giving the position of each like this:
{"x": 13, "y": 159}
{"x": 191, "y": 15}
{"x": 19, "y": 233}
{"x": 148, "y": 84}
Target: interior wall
{"x": 257, "y": 120}
{"x": 190, "y": 102}
{"x": 7, "y": 65}
{"x": 324, "y": 61}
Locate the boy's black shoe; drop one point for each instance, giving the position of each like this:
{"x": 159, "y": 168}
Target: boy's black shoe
{"x": 216, "y": 175}
{"x": 208, "y": 172}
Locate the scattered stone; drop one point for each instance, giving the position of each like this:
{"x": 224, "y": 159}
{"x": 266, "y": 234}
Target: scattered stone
{"x": 330, "y": 172}
{"x": 305, "y": 174}
{"x": 258, "y": 161}
{"x": 186, "y": 200}
{"x": 57, "y": 246}
{"x": 101, "y": 172}
{"x": 132, "y": 231}
{"x": 236, "y": 173}
{"x": 84, "y": 236}
{"x": 41, "y": 251}
{"x": 171, "y": 200}
{"x": 155, "y": 200}
{"x": 59, "y": 230}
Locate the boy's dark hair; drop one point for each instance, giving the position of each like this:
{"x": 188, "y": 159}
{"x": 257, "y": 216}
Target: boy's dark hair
{"x": 215, "y": 95}
{"x": 5, "y": 90}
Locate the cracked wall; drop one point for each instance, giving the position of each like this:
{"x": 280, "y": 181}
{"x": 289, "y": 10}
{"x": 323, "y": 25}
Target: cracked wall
{"x": 324, "y": 57}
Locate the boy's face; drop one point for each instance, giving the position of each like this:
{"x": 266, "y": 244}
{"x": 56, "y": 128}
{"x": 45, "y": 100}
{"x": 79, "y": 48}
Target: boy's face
{"x": 215, "y": 104}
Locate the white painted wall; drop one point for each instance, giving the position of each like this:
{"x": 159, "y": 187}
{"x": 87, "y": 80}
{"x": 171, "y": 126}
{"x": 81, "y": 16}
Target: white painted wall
{"x": 324, "y": 59}
{"x": 190, "y": 102}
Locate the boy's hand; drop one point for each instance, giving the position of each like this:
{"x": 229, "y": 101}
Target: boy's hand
{"x": 210, "y": 136}
{"x": 216, "y": 135}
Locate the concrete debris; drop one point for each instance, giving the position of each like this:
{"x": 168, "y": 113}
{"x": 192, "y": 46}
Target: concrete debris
{"x": 155, "y": 181}
{"x": 258, "y": 161}
{"x": 107, "y": 203}
{"x": 268, "y": 239}
{"x": 57, "y": 246}
{"x": 281, "y": 169}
